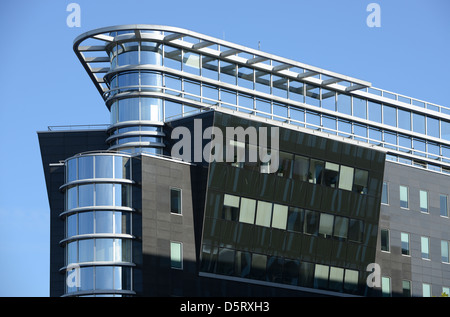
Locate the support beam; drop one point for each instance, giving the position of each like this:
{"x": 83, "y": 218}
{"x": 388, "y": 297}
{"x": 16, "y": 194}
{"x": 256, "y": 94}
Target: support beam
{"x": 307, "y": 74}
{"x": 104, "y": 37}
{"x": 229, "y": 52}
{"x": 255, "y": 60}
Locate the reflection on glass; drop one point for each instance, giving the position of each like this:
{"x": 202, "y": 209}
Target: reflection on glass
{"x": 104, "y": 250}
{"x": 230, "y": 209}
{"x": 86, "y": 250}
{"x": 326, "y": 225}
{"x": 71, "y": 170}
{"x": 315, "y": 171}
{"x": 104, "y": 277}
{"x": 86, "y": 222}
{"x": 103, "y": 222}
{"x": 85, "y": 167}
{"x": 295, "y": 219}
{"x": 247, "y": 210}
{"x": 279, "y": 219}
{"x": 263, "y": 214}
{"x": 72, "y": 198}
{"x": 103, "y": 166}
{"x": 103, "y": 194}
{"x": 86, "y": 195}
{"x": 361, "y": 181}
{"x": 301, "y": 168}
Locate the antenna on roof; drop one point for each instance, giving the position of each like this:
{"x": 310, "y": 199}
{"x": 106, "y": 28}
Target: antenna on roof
{"x": 259, "y": 45}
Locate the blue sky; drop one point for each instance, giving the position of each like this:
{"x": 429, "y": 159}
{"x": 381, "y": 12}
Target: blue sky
{"x": 42, "y": 82}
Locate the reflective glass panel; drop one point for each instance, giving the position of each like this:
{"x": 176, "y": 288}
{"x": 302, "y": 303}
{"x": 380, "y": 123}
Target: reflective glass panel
{"x": 72, "y": 198}
{"x": 405, "y": 243}
{"x": 247, "y": 210}
{"x": 316, "y": 171}
{"x": 85, "y": 167}
{"x": 103, "y": 221}
{"x": 403, "y": 196}
{"x": 346, "y": 178}
{"x": 86, "y": 250}
{"x": 71, "y": 170}
{"x": 104, "y": 250}
{"x": 175, "y": 200}
{"x": 340, "y": 227}
{"x": 443, "y": 205}
{"x": 279, "y": 219}
{"x": 122, "y": 222}
{"x": 263, "y": 214}
{"x": 301, "y": 168}
{"x": 71, "y": 225}
{"x": 86, "y": 195}
{"x": 344, "y": 104}
{"x": 423, "y": 195}
{"x": 176, "y": 260}
{"x": 433, "y": 127}
{"x": 104, "y": 277}
{"x": 86, "y": 222}
{"x": 418, "y": 123}
{"x": 360, "y": 182}
{"x": 104, "y": 166}
{"x": 295, "y": 219}
{"x": 326, "y": 225}
{"x": 230, "y": 210}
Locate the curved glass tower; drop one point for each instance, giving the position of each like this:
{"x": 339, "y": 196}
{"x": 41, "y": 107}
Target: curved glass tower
{"x": 98, "y": 220}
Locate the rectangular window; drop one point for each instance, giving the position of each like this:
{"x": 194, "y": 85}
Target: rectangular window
{"x": 279, "y": 217}
{"x": 295, "y": 219}
{"x": 385, "y": 194}
{"x": 385, "y": 240}
{"x": 443, "y": 205}
{"x": 346, "y": 178}
{"x": 176, "y": 255}
{"x": 230, "y": 210}
{"x": 355, "y": 230}
{"x": 175, "y": 200}
{"x": 263, "y": 214}
{"x": 425, "y": 247}
{"x": 444, "y": 251}
{"x": 340, "y": 227}
{"x": 360, "y": 182}
{"x": 331, "y": 174}
{"x": 446, "y": 290}
{"x": 426, "y": 290}
{"x": 405, "y": 243}
{"x": 321, "y": 276}
{"x": 403, "y": 196}
{"x": 247, "y": 210}
{"x": 406, "y": 286}
{"x": 424, "y": 201}
{"x": 326, "y": 225}
{"x": 386, "y": 286}
{"x": 301, "y": 167}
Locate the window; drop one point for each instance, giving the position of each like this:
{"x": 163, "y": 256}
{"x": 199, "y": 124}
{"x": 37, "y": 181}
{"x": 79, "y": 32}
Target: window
{"x": 385, "y": 286}
{"x": 444, "y": 251}
{"x": 385, "y": 240}
{"x": 405, "y": 243}
{"x": 385, "y": 194}
{"x": 425, "y": 247}
{"x": 443, "y": 205}
{"x": 360, "y": 182}
{"x": 331, "y": 174}
{"x": 247, "y": 210}
{"x": 340, "y": 227}
{"x": 326, "y": 225}
{"x": 403, "y": 196}
{"x": 295, "y": 219}
{"x": 426, "y": 290}
{"x": 176, "y": 255}
{"x": 263, "y": 214}
{"x": 279, "y": 219}
{"x": 301, "y": 167}
{"x": 346, "y": 178}
{"x": 406, "y": 286}
{"x": 446, "y": 290}
{"x": 230, "y": 210}
{"x": 424, "y": 201}
{"x": 355, "y": 230}
{"x": 175, "y": 200}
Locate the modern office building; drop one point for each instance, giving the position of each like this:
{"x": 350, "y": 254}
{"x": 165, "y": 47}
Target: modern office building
{"x": 351, "y": 177}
